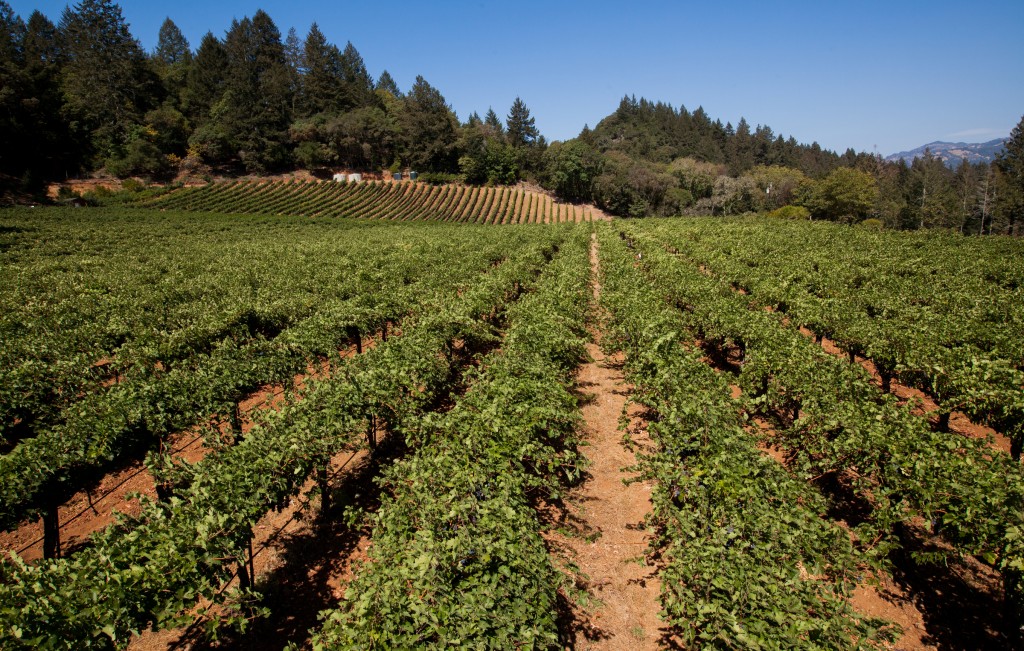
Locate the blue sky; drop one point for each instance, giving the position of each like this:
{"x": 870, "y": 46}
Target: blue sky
{"x": 874, "y": 76}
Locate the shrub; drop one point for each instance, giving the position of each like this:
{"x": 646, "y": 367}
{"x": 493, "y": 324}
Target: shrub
{"x": 676, "y": 200}
{"x": 440, "y": 178}
{"x": 790, "y": 212}
{"x": 133, "y": 185}
{"x": 141, "y": 157}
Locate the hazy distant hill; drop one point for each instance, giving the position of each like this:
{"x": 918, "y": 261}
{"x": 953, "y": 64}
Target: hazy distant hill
{"x": 951, "y": 153}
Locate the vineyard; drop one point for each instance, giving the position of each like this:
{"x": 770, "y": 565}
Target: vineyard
{"x": 404, "y": 201}
{"x": 829, "y": 410}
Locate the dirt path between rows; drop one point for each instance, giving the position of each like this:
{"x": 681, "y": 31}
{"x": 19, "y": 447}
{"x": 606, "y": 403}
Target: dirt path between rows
{"x": 610, "y": 515}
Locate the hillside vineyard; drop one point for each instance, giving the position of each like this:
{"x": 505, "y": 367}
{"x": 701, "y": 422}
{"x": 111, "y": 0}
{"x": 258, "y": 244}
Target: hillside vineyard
{"x": 828, "y": 407}
{"x": 401, "y": 201}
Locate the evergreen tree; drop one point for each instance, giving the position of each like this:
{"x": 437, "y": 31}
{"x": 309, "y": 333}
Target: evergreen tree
{"x": 357, "y": 89}
{"x": 41, "y": 48}
{"x": 388, "y": 125}
{"x": 493, "y": 121}
{"x": 293, "y": 57}
{"x": 891, "y": 205}
{"x": 984, "y": 198}
{"x": 167, "y": 129}
{"x": 966, "y": 189}
{"x": 587, "y": 136}
{"x": 172, "y": 59}
{"x": 322, "y": 86}
{"x": 763, "y": 149}
{"x": 521, "y": 128}
{"x": 257, "y": 99}
{"x": 172, "y": 47}
{"x": 55, "y": 150}
{"x": 106, "y": 84}
{"x": 12, "y": 36}
{"x": 930, "y": 199}
{"x": 710, "y": 138}
{"x": 204, "y": 84}
{"x": 13, "y": 85}
{"x": 430, "y": 129}
{"x": 386, "y": 83}
{"x": 486, "y": 157}
{"x": 1010, "y": 163}
{"x": 739, "y": 153}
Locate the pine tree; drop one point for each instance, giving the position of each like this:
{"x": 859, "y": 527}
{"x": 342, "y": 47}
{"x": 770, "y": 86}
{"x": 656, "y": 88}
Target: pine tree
{"x": 931, "y": 201}
{"x": 55, "y": 150}
{"x": 172, "y": 60}
{"x": 293, "y": 51}
{"x": 105, "y": 81}
{"x": 293, "y": 59}
{"x": 521, "y": 128}
{"x": 1011, "y": 167}
{"x": 205, "y": 82}
{"x": 12, "y": 37}
{"x": 322, "y": 86}
{"x": 257, "y": 100}
{"x": 385, "y": 82}
{"x": 13, "y": 84}
{"x": 966, "y": 187}
{"x": 172, "y": 47}
{"x": 739, "y": 151}
{"x": 357, "y": 83}
{"x": 763, "y": 142}
{"x": 493, "y": 121}
{"x": 430, "y": 129}
{"x": 41, "y": 48}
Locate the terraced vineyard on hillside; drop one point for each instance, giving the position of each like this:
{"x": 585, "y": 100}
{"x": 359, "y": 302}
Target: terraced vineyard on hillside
{"x": 385, "y": 200}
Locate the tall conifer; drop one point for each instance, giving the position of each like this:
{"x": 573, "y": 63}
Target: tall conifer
{"x": 521, "y": 127}
{"x": 105, "y": 81}
{"x": 257, "y": 100}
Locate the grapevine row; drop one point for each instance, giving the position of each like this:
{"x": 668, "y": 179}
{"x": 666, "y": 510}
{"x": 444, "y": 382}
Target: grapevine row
{"x": 458, "y": 559}
{"x": 946, "y": 328}
{"x": 372, "y": 200}
{"x": 156, "y": 566}
{"x": 836, "y": 423}
{"x": 748, "y": 558}
{"x": 160, "y": 393}
{"x": 103, "y": 313}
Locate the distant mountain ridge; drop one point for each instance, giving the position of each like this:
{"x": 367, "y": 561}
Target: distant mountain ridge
{"x": 951, "y": 153}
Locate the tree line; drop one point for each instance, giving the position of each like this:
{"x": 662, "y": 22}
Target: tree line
{"x": 651, "y": 158}
{"x": 83, "y": 95}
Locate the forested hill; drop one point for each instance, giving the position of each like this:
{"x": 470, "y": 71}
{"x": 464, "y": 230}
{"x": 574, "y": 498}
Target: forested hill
{"x": 81, "y": 97}
{"x": 659, "y": 133}
{"x": 649, "y": 158}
